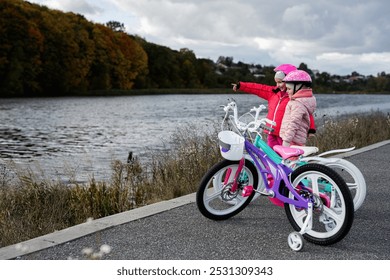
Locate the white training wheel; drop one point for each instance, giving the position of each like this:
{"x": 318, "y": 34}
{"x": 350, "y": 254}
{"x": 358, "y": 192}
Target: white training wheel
{"x": 295, "y": 241}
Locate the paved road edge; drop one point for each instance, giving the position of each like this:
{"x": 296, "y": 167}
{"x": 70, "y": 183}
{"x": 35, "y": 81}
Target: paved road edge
{"x": 77, "y": 231}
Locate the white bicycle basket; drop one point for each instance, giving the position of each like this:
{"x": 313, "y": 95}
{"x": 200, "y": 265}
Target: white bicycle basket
{"x": 231, "y": 145}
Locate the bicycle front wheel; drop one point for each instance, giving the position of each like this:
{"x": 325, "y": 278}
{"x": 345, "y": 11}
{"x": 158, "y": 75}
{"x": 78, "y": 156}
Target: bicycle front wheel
{"x": 333, "y": 209}
{"x": 215, "y": 199}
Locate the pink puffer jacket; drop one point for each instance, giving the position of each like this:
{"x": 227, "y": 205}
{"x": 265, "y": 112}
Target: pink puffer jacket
{"x": 296, "y": 119}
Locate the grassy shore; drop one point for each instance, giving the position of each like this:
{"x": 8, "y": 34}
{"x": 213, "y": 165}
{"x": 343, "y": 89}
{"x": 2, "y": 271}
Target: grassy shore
{"x": 31, "y": 207}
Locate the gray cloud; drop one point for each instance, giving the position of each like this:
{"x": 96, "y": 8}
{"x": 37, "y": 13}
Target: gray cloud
{"x": 82, "y": 7}
{"x": 333, "y": 36}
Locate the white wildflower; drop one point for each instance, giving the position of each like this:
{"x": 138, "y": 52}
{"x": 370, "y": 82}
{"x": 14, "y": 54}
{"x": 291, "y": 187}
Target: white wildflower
{"x": 105, "y": 249}
{"x": 87, "y": 251}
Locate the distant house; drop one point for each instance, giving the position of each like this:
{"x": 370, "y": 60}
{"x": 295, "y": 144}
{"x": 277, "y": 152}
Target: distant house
{"x": 256, "y": 72}
{"x": 220, "y": 68}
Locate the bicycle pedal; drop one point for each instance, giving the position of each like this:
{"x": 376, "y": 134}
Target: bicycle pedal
{"x": 247, "y": 191}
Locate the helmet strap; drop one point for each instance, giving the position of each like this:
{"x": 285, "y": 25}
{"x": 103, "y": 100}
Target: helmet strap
{"x": 295, "y": 89}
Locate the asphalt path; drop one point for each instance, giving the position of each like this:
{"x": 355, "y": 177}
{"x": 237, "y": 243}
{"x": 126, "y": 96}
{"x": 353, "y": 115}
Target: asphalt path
{"x": 258, "y": 232}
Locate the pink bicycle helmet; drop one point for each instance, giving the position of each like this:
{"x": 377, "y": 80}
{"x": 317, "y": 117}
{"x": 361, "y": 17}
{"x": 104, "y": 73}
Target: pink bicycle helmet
{"x": 285, "y": 68}
{"x": 297, "y": 77}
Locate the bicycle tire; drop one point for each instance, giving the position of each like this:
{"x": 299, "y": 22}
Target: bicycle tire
{"x": 212, "y": 199}
{"x": 357, "y": 187}
{"x": 326, "y": 229}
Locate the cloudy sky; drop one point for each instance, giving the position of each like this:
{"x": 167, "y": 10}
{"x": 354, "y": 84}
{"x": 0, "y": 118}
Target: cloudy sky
{"x": 332, "y": 36}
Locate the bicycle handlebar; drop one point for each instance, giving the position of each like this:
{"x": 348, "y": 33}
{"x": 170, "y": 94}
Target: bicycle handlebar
{"x": 252, "y": 126}
{"x": 263, "y": 126}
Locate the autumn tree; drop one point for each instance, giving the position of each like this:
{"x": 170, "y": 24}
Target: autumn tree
{"x": 116, "y": 26}
{"x": 45, "y": 51}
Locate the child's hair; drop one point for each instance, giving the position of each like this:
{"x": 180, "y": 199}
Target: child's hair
{"x": 280, "y": 75}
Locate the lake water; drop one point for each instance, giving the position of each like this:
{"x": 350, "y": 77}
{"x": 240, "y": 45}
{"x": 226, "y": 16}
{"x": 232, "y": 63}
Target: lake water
{"x": 82, "y": 135}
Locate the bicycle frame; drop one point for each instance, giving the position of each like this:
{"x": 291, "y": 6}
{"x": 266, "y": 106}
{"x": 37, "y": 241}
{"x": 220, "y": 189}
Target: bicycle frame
{"x": 279, "y": 172}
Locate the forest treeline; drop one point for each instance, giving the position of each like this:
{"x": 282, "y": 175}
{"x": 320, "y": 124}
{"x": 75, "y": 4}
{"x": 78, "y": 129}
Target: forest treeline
{"x": 49, "y": 52}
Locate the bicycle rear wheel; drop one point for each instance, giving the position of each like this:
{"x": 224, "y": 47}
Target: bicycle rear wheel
{"x": 353, "y": 178}
{"x": 214, "y": 198}
{"x": 333, "y": 209}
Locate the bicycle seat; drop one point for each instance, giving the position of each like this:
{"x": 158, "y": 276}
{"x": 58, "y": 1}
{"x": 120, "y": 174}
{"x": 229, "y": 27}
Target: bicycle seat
{"x": 287, "y": 152}
{"x": 307, "y": 150}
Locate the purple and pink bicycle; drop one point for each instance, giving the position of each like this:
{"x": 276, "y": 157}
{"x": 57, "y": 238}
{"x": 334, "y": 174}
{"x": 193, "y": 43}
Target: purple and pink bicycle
{"x": 316, "y": 199}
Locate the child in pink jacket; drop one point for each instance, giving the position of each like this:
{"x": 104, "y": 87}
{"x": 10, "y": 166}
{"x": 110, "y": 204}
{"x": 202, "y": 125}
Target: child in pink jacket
{"x": 296, "y": 120}
{"x": 277, "y": 98}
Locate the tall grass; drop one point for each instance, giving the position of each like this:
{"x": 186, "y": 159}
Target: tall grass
{"x": 356, "y": 130}
{"x": 31, "y": 207}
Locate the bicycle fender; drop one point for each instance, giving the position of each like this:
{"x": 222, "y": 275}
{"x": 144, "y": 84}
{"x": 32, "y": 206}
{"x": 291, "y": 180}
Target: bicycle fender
{"x": 336, "y": 151}
{"x": 320, "y": 159}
